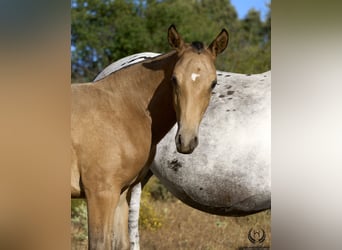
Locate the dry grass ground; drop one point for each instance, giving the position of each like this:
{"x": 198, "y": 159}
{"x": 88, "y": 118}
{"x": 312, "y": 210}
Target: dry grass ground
{"x": 171, "y": 225}
{"x": 183, "y": 228}
{"x": 186, "y": 228}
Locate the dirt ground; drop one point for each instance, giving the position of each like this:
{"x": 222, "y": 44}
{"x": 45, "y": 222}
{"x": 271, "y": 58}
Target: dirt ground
{"x": 186, "y": 228}
{"x": 182, "y": 227}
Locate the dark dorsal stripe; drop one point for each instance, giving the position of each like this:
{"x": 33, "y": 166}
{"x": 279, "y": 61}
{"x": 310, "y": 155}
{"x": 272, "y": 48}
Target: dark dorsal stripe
{"x": 198, "y": 46}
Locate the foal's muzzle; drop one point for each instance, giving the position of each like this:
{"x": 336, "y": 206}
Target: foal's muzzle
{"x": 186, "y": 144}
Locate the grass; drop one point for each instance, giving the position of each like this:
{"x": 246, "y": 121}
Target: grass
{"x": 186, "y": 228}
{"x": 169, "y": 224}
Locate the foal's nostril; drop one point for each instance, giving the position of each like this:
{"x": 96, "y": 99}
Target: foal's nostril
{"x": 179, "y": 140}
{"x": 196, "y": 140}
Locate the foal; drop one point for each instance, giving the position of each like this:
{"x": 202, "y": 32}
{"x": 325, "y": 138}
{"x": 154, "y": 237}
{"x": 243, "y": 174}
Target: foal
{"x": 117, "y": 122}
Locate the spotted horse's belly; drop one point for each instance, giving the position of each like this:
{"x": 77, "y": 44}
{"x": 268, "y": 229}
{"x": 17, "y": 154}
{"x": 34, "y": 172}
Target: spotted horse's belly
{"x": 229, "y": 172}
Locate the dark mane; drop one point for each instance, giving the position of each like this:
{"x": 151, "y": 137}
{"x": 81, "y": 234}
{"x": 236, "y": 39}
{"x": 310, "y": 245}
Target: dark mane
{"x": 197, "y": 46}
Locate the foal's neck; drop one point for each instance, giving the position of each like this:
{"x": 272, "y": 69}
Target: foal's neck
{"x": 148, "y": 83}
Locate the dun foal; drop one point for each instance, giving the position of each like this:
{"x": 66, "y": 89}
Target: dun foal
{"x": 117, "y": 122}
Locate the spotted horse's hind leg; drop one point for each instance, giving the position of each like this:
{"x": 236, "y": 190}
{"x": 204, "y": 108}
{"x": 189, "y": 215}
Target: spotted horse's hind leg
{"x": 133, "y": 217}
{"x": 134, "y": 207}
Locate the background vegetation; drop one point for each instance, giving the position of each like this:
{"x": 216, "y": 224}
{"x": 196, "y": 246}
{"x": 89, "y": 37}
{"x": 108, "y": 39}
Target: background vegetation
{"x": 103, "y": 31}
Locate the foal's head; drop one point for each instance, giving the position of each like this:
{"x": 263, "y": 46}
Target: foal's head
{"x": 193, "y": 79}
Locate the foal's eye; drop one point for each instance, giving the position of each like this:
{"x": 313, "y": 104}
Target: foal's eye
{"x": 213, "y": 84}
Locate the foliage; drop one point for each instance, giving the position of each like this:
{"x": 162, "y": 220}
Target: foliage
{"x": 158, "y": 191}
{"x": 149, "y": 217}
{"x": 79, "y": 219}
{"x": 104, "y": 31}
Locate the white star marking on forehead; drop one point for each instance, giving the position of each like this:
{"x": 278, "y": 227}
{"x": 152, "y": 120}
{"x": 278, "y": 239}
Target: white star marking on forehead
{"x": 194, "y": 76}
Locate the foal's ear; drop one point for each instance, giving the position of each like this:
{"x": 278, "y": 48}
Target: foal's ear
{"x": 220, "y": 43}
{"x": 175, "y": 40}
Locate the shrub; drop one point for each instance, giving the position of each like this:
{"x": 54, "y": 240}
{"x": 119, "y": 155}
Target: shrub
{"x": 157, "y": 190}
{"x": 149, "y": 218}
{"x": 79, "y": 219}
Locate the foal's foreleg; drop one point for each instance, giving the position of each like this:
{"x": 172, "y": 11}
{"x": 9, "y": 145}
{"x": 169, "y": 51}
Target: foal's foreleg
{"x": 101, "y": 209}
{"x": 121, "y": 239}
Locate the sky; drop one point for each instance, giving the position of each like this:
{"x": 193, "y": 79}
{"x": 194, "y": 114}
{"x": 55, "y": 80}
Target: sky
{"x": 242, "y": 7}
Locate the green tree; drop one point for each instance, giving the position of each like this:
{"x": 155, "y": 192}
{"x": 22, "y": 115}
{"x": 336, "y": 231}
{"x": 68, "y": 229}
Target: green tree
{"x": 251, "y": 51}
{"x": 104, "y": 31}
